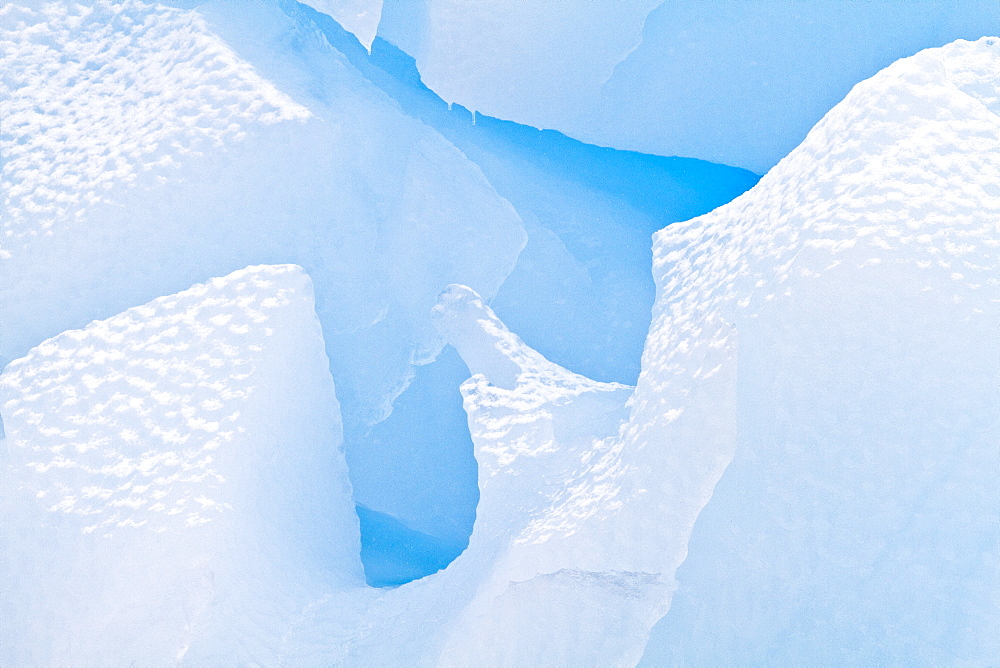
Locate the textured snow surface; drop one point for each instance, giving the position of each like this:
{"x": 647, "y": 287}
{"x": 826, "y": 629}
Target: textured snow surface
{"x": 171, "y": 472}
{"x": 735, "y": 82}
{"x": 805, "y": 472}
{"x": 94, "y": 97}
{"x": 148, "y": 148}
{"x": 185, "y": 483}
{"x": 858, "y": 519}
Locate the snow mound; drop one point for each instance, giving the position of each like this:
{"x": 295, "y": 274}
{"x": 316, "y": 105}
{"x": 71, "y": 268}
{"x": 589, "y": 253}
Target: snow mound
{"x": 861, "y": 275}
{"x": 168, "y": 469}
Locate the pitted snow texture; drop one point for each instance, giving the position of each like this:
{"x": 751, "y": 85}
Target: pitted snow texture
{"x": 122, "y": 423}
{"x": 862, "y": 277}
{"x": 146, "y": 149}
{"x": 173, "y": 480}
{"x": 93, "y": 95}
{"x": 904, "y": 172}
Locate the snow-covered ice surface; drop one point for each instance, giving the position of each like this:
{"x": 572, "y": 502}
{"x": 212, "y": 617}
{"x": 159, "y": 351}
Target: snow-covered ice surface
{"x": 809, "y": 457}
{"x": 143, "y": 154}
{"x": 729, "y": 81}
{"x": 179, "y": 468}
{"x": 173, "y": 474}
{"x": 147, "y": 148}
{"x": 857, "y": 523}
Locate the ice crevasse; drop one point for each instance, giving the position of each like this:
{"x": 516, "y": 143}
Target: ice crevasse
{"x": 149, "y": 147}
{"x": 734, "y": 82}
{"x": 807, "y": 467}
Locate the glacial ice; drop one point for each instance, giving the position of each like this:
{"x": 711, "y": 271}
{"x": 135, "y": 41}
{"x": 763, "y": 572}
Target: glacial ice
{"x": 173, "y": 474}
{"x": 142, "y": 151}
{"x": 359, "y": 17}
{"x": 805, "y": 471}
{"x": 857, "y": 522}
{"x": 739, "y": 83}
{"x": 154, "y": 137}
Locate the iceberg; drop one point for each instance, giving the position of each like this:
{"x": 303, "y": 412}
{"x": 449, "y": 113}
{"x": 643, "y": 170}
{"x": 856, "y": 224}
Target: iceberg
{"x": 407, "y": 320}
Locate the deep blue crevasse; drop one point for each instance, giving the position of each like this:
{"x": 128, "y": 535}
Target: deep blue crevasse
{"x": 581, "y": 294}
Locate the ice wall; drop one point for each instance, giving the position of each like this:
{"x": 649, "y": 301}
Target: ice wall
{"x": 739, "y": 83}
{"x": 857, "y": 521}
{"x": 148, "y": 148}
{"x": 496, "y": 56}
{"x": 588, "y": 212}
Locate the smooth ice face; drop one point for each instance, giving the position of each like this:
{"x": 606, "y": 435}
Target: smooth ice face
{"x": 497, "y": 56}
{"x": 739, "y": 83}
{"x": 858, "y": 517}
{"x": 172, "y": 471}
{"x": 359, "y": 17}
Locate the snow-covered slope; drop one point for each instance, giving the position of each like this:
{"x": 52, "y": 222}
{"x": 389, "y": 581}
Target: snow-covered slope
{"x": 173, "y": 472}
{"x": 739, "y": 83}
